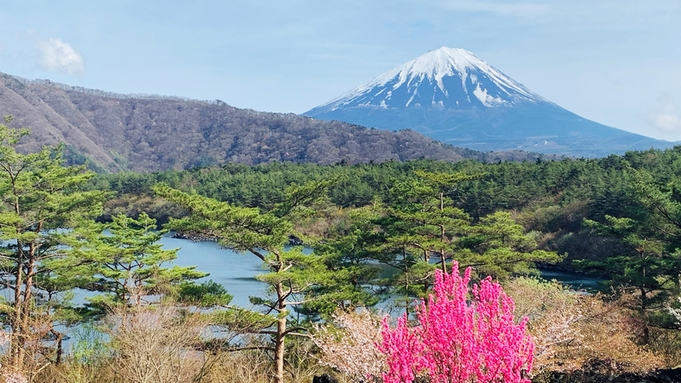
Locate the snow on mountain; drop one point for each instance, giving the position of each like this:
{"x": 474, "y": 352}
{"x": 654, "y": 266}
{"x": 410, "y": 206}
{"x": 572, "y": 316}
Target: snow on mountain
{"x": 453, "y": 96}
{"x": 442, "y": 78}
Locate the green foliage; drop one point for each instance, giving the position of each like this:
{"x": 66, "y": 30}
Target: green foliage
{"x": 41, "y": 203}
{"x": 242, "y": 320}
{"x": 90, "y": 344}
{"x": 499, "y": 246}
{"x": 645, "y": 264}
{"x": 206, "y": 294}
{"x": 125, "y": 263}
{"x": 264, "y": 235}
{"x": 501, "y": 218}
{"x": 418, "y": 225}
{"x": 648, "y": 258}
{"x": 292, "y": 273}
{"x": 423, "y": 223}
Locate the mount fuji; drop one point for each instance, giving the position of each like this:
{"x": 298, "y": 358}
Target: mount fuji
{"x": 453, "y": 96}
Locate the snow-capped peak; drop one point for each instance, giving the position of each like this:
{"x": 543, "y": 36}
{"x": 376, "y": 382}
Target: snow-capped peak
{"x": 442, "y": 78}
{"x": 433, "y": 65}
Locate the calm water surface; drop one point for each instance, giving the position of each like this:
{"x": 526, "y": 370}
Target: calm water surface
{"x": 235, "y": 271}
{"x": 575, "y": 281}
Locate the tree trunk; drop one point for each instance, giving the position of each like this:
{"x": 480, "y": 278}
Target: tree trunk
{"x": 279, "y": 346}
{"x": 644, "y": 306}
{"x": 17, "y": 341}
{"x": 442, "y": 234}
{"x": 60, "y": 347}
{"x": 279, "y": 350}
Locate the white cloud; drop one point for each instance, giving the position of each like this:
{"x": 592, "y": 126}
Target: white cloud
{"x": 666, "y": 118}
{"x": 667, "y": 121}
{"x": 59, "y": 56}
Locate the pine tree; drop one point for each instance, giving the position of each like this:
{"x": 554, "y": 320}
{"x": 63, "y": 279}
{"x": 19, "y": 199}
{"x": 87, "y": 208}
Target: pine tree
{"x": 41, "y": 201}
{"x": 349, "y": 254}
{"x": 292, "y": 273}
{"x": 124, "y": 261}
{"x": 499, "y": 246}
{"x": 420, "y": 222}
{"x": 648, "y": 260}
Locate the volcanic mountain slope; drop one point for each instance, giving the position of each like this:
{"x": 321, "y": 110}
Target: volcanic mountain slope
{"x": 148, "y": 133}
{"x": 453, "y": 96}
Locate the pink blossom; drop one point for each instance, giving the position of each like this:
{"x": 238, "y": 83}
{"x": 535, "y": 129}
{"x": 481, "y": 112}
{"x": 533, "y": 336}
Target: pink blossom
{"x": 460, "y": 341}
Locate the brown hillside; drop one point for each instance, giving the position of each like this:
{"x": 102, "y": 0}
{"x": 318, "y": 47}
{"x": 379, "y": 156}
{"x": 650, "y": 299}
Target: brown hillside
{"x": 144, "y": 133}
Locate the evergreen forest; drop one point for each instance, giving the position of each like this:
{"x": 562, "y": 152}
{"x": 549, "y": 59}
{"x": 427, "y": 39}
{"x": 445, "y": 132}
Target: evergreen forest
{"x": 358, "y": 259}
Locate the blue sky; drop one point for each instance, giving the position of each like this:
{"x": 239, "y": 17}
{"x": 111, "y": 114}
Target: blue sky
{"x": 617, "y": 62}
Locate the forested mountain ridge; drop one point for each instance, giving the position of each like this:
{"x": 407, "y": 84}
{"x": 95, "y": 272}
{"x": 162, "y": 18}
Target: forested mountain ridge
{"x": 153, "y": 133}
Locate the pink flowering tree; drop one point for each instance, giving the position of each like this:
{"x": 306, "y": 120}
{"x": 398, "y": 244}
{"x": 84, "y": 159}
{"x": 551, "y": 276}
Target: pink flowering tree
{"x": 458, "y": 340}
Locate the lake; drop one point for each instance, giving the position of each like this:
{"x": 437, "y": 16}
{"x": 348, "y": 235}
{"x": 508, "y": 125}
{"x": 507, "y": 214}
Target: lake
{"x": 575, "y": 281}
{"x": 233, "y": 270}
{"x": 236, "y": 271}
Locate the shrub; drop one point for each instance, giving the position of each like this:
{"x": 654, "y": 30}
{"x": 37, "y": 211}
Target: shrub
{"x": 155, "y": 345}
{"x": 575, "y": 331}
{"x": 350, "y": 345}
